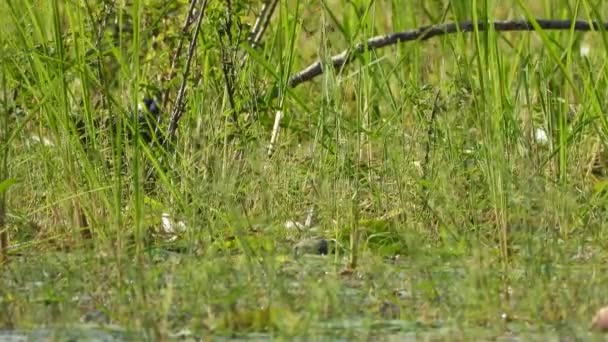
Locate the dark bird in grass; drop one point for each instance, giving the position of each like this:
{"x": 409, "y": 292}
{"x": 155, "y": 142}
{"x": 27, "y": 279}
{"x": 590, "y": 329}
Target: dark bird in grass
{"x": 148, "y": 118}
{"x": 151, "y": 106}
{"x": 104, "y": 132}
{"x": 145, "y": 122}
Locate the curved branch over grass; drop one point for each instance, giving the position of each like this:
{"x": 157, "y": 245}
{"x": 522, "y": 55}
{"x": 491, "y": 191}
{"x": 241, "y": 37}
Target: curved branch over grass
{"x": 427, "y": 32}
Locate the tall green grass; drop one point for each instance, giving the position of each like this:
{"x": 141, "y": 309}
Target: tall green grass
{"x": 420, "y": 160}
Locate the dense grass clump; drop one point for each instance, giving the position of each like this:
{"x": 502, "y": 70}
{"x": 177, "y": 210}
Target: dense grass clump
{"x": 163, "y": 176}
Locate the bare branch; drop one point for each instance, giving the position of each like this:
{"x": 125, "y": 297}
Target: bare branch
{"x": 262, "y": 22}
{"x": 427, "y": 32}
{"x": 260, "y": 26}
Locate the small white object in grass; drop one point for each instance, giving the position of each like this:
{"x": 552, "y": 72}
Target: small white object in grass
{"x": 295, "y": 225}
{"x": 44, "y": 140}
{"x": 275, "y": 132}
{"x": 182, "y": 334}
{"x": 292, "y": 225}
{"x": 170, "y": 226}
{"x": 540, "y": 136}
{"x": 584, "y": 50}
{"x": 402, "y": 294}
{"x": 309, "y": 217}
{"x": 600, "y": 320}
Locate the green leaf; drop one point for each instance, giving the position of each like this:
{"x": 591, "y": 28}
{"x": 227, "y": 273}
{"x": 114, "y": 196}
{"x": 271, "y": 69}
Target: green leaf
{"x": 6, "y": 184}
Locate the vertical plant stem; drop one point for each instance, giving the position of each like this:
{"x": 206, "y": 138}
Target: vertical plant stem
{"x": 4, "y": 171}
{"x": 178, "y": 50}
{"x": 274, "y": 136}
{"x": 177, "y": 108}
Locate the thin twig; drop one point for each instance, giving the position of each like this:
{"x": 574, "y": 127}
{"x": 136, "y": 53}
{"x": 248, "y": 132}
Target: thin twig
{"x": 427, "y": 32}
{"x": 228, "y": 61}
{"x": 262, "y": 22}
{"x": 176, "y": 114}
{"x": 430, "y": 145}
{"x": 177, "y": 109}
{"x": 260, "y": 26}
{"x": 178, "y": 50}
{"x": 309, "y": 217}
{"x": 275, "y": 132}
{"x": 258, "y": 23}
{"x": 102, "y": 24}
{"x": 4, "y": 170}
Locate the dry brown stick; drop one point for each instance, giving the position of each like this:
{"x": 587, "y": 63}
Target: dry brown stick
{"x": 427, "y": 32}
{"x": 260, "y": 26}
{"x": 177, "y": 108}
{"x": 178, "y": 50}
{"x": 3, "y": 227}
{"x": 262, "y": 22}
{"x": 4, "y": 170}
{"x": 227, "y": 59}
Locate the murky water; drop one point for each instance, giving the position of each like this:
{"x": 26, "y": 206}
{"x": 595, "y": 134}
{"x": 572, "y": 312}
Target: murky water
{"x": 83, "y": 333}
{"x": 350, "y": 330}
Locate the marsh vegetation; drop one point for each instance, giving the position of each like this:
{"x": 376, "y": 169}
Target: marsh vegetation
{"x": 452, "y": 188}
